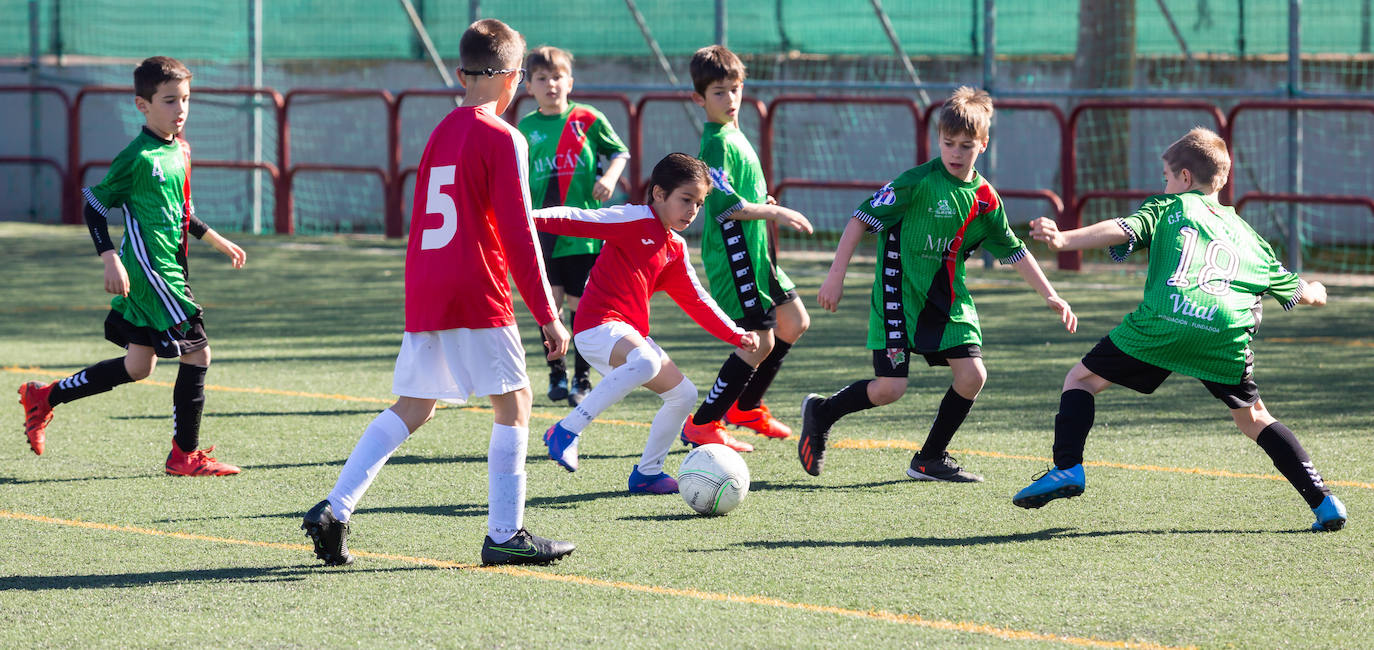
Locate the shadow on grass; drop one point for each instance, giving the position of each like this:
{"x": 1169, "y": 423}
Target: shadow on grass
{"x": 125, "y": 580}
{"x": 680, "y": 516}
{"x": 251, "y": 414}
{"x": 1048, "y": 534}
{"x": 761, "y": 486}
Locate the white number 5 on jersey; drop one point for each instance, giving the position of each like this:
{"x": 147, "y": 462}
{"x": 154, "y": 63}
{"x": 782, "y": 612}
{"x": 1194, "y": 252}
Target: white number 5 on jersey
{"x": 436, "y": 202}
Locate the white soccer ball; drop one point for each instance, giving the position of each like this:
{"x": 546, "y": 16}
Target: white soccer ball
{"x": 713, "y": 479}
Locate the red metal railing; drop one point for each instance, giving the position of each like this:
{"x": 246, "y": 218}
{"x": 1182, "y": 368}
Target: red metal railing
{"x": 1067, "y": 203}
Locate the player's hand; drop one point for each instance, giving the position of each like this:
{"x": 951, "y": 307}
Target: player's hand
{"x": 116, "y": 277}
{"x": 794, "y": 220}
{"x": 749, "y": 342}
{"x": 1066, "y": 315}
{"x": 602, "y": 189}
{"x": 832, "y": 290}
{"x": 1046, "y": 230}
{"x": 231, "y": 250}
{"x": 555, "y": 339}
{"x": 1314, "y": 294}
{"x": 770, "y": 200}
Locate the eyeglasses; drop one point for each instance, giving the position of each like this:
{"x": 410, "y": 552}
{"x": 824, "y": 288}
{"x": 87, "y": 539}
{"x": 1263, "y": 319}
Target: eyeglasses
{"x": 488, "y": 72}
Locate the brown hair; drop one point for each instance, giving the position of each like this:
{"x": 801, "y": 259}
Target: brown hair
{"x": 674, "y": 171}
{"x": 715, "y": 63}
{"x": 490, "y": 45}
{"x": 155, "y": 71}
{"x": 967, "y": 112}
{"x": 549, "y": 58}
{"x": 1203, "y": 153}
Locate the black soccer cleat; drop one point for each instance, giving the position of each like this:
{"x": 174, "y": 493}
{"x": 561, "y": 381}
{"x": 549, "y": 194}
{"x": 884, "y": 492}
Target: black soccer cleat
{"x": 329, "y": 534}
{"x": 524, "y": 548}
{"x": 581, "y": 386}
{"x": 944, "y": 468}
{"x": 811, "y": 446}
{"x": 558, "y": 385}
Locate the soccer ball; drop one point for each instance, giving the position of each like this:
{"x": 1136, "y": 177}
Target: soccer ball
{"x": 713, "y": 479}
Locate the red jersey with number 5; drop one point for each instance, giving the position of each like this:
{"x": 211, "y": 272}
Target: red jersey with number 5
{"x": 471, "y": 227}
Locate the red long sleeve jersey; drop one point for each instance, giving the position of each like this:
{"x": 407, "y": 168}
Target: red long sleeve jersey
{"x": 641, "y": 256}
{"x": 471, "y": 226}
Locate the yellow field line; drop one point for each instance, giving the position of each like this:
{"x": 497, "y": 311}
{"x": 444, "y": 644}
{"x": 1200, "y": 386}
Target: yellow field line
{"x": 873, "y": 615}
{"x": 843, "y": 443}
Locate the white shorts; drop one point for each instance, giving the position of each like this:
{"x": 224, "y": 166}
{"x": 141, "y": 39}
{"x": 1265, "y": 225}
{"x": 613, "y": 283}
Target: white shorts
{"x": 595, "y": 344}
{"x": 453, "y": 365}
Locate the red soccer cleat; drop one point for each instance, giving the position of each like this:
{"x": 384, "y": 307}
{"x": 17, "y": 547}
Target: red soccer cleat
{"x": 711, "y": 432}
{"x": 759, "y": 419}
{"x": 33, "y": 396}
{"x": 196, "y": 463}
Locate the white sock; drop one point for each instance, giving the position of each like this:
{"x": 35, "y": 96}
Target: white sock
{"x": 506, "y": 481}
{"x": 379, "y": 441}
{"x": 677, "y": 405}
{"x": 641, "y": 365}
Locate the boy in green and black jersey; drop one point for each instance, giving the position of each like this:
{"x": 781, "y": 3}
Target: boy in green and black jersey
{"x": 153, "y": 313}
{"x": 745, "y": 279}
{"x": 928, "y": 221}
{"x": 1207, "y": 272}
{"x": 567, "y": 139}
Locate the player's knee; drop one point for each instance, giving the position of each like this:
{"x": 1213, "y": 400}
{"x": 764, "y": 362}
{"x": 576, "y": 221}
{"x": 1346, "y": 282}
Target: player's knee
{"x": 886, "y": 390}
{"x": 644, "y": 362}
{"x": 139, "y": 369}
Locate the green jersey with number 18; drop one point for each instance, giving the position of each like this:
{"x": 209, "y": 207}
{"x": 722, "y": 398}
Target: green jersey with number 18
{"x": 150, "y": 179}
{"x": 928, "y": 222}
{"x": 1207, "y": 271}
{"x": 563, "y": 154}
{"x": 744, "y": 277}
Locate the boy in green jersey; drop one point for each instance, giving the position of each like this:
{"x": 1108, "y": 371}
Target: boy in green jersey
{"x": 153, "y": 313}
{"x": 566, "y": 141}
{"x": 929, "y": 220}
{"x": 1207, "y": 272}
{"x": 745, "y": 279}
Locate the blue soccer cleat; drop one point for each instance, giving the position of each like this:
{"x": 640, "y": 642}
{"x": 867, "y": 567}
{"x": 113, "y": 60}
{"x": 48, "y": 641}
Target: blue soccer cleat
{"x": 562, "y": 445}
{"x": 1053, "y": 483}
{"x": 1330, "y": 514}
{"x": 660, "y": 483}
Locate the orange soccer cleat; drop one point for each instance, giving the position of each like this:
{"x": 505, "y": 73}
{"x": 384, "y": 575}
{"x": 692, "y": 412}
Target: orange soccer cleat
{"x": 33, "y": 396}
{"x": 759, "y": 419}
{"x": 196, "y": 463}
{"x": 711, "y": 432}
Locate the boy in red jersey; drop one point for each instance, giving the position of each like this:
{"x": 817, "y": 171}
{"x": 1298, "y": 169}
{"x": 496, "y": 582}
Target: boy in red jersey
{"x": 471, "y": 227}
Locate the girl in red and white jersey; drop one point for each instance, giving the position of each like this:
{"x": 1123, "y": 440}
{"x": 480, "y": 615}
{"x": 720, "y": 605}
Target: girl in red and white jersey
{"x": 643, "y": 254}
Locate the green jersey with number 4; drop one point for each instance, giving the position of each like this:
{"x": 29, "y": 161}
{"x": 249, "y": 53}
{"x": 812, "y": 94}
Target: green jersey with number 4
{"x": 1207, "y": 271}
{"x": 744, "y": 277}
{"x": 150, "y": 179}
{"x": 928, "y": 223}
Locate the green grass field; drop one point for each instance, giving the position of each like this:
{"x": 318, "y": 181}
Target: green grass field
{"x": 1185, "y": 537}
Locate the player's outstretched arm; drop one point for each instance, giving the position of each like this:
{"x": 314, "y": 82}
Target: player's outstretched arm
{"x": 116, "y": 277}
{"x": 231, "y": 250}
{"x": 1098, "y": 235}
{"x": 1314, "y": 293}
{"x": 1031, "y": 273}
{"x": 783, "y": 216}
{"x": 832, "y": 289}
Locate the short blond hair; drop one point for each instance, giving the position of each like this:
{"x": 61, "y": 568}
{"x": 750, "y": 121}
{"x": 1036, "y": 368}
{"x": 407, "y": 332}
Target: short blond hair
{"x": 967, "y": 112}
{"x": 549, "y": 58}
{"x": 1203, "y": 153}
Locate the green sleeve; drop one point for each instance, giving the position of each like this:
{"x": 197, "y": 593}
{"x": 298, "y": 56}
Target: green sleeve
{"x": 604, "y": 139}
{"x": 1140, "y": 225}
{"x": 723, "y": 200}
{"x": 1001, "y": 241}
{"x": 113, "y": 190}
{"x": 886, "y": 207}
{"x": 1284, "y": 285}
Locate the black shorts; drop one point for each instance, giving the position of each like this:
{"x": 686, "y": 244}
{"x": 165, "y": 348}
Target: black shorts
{"x": 183, "y": 339}
{"x": 896, "y": 362}
{"x": 1108, "y": 362}
{"x": 766, "y": 319}
{"x": 571, "y": 272}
